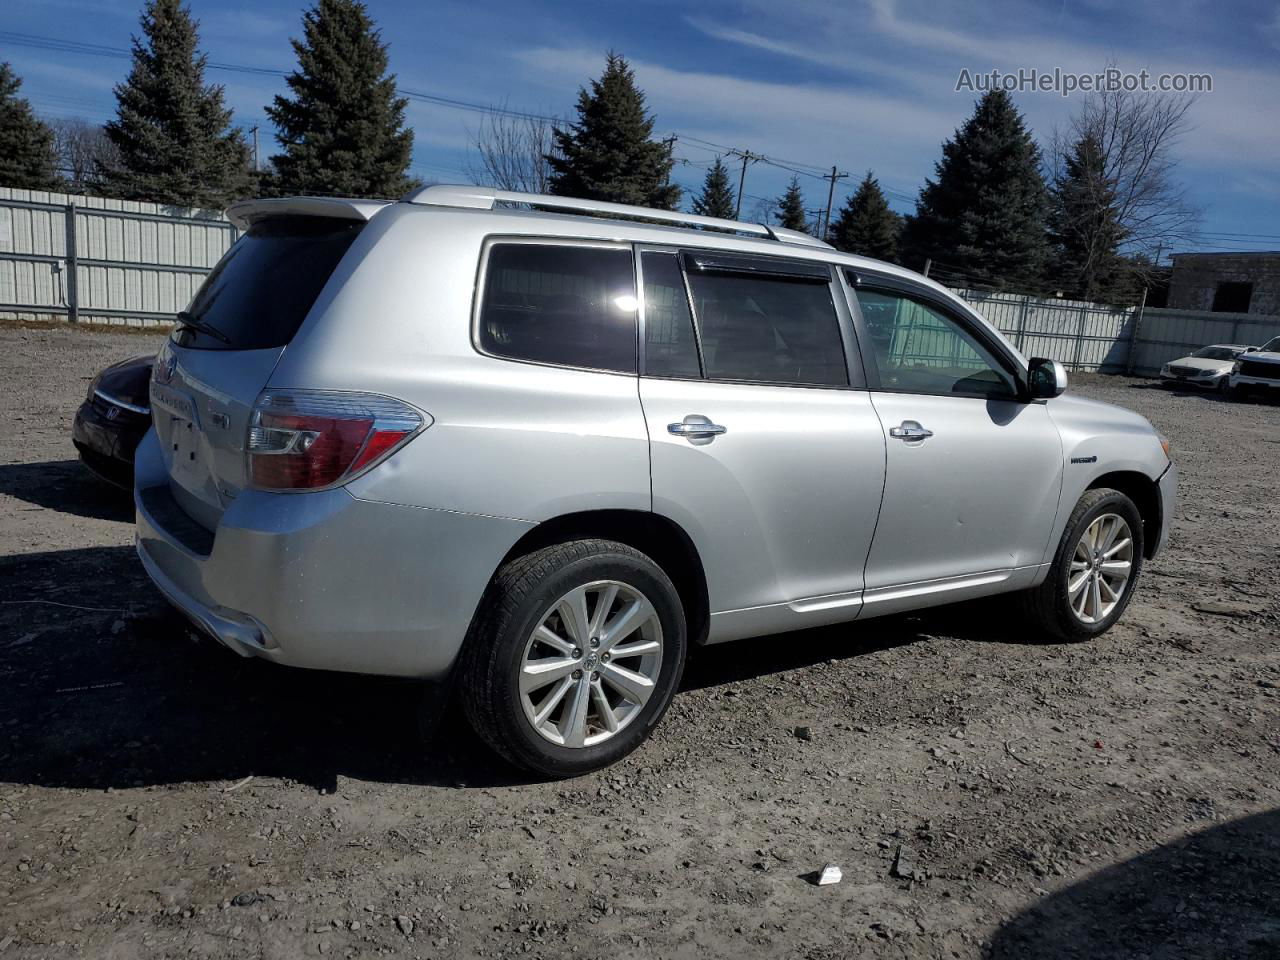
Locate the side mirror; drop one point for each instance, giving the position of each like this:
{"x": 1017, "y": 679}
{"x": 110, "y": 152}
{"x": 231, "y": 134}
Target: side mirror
{"x": 1046, "y": 378}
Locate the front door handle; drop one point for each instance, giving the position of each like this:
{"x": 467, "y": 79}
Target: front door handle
{"x": 696, "y": 427}
{"x": 910, "y": 430}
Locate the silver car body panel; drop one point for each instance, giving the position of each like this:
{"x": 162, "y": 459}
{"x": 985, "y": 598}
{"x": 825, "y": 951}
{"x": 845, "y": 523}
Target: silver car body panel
{"x": 326, "y": 580}
{"x": 1099, "y": 439}
{"x": 384, "y": 574}
{"x": 939, "y": 520}
{"x": 781, "y": 507}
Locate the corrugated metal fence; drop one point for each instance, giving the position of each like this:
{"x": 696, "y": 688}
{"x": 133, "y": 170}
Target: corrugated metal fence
{"x": 1097, "y": 337}
{"x": 124, "y": 262}
{"x": 103, "y": 261}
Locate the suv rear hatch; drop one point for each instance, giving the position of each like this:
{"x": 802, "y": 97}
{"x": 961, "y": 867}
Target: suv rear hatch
{"x": 207, "y": 378}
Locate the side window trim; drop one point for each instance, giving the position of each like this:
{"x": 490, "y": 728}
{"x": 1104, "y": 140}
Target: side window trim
{"x": 638, "y": 252}
{"x": 772, "y": 268}
{"x": 845, "y": 318}
{"x": 482, "y": 270}
{"x": 854, "y": 280}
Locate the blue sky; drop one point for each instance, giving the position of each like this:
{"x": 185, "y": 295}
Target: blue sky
{"x": 863, "y": 84}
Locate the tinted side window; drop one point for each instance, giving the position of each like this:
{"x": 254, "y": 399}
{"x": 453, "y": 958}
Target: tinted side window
{"x": 671, "y": 350}
{"x": 919, "y": 349}
{"x": 768, "y": 330}
{"x": 263, "y": 287}
{"x": 562, "y": 304}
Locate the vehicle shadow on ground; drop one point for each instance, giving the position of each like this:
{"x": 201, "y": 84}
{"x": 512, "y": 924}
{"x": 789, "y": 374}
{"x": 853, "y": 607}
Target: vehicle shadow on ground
{"x": 105, "y": 686}
{"x": 1213, "y": 894}
{"x": 68, "y": 487}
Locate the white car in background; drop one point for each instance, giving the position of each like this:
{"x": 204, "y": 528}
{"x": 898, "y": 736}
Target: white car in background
{"x": 1259, "y": 372}
{"x": 1209, "y": 367}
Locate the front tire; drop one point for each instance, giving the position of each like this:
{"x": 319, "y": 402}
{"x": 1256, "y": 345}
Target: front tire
{"x": 573, "y": 657}
{"x": 1095, "y": 569}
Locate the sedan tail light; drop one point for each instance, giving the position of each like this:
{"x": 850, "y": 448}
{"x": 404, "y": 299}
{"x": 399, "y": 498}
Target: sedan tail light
{"x": 314, "y": 439}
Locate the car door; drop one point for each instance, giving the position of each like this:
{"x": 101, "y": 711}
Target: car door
{"x": 762, "y": 447}
{"x": 973, "y": 471}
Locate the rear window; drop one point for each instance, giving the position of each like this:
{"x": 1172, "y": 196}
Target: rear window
{"x": 561, "y": 304}
{"x": 260, "y": 292}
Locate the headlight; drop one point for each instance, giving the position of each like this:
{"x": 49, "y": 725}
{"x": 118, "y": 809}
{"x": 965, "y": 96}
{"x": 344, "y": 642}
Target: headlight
{"x": 93, "y": 385}
{"x": 1164, "y": 369}
{"x": 1165, "y": 445}
{"x": 1235, "y": 367}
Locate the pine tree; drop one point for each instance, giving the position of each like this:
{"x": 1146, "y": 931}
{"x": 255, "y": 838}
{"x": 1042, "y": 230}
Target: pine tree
{"x": 790, "y": 211}
{"x": 983, "y": 214}
{"x": 170, "y": 129}
{"x": 343, "y": 129}
{"x": 608, "y": 153}
{"x": 716, "y": 199}
{"x": 866, "y": 225}
{"x": 27, "y": 158}
{"x": 1085, "y": 230}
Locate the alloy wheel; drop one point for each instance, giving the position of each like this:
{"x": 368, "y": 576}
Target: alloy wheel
{"x": 591, "y": 663}
{"x": 1100, "y": 568}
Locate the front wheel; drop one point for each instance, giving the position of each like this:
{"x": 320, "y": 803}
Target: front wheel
{"x": 1095, "y": 569}
{"x": 574, "y": 656}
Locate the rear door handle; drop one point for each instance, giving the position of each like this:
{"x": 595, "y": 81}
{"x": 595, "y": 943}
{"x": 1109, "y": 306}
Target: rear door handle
{"x": 696, "y": 427}
{"x": 909, "y": 430}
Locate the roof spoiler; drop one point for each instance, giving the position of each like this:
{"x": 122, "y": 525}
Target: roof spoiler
{"x": 486, "y": 198}
{"x": 248, "y": 212}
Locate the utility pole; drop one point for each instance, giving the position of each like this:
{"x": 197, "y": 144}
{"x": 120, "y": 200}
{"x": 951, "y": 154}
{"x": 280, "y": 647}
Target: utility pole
{"x": 254, "y": 131}
{"x": 671, "y": 151}
{"x": 825, "y": 223}
{"x": 817, "y": 222}
{"x": 747, "y": 157}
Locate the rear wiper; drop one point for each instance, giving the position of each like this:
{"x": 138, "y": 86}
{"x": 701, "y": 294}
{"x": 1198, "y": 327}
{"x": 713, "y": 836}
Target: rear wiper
{"x": 195, "y": 323}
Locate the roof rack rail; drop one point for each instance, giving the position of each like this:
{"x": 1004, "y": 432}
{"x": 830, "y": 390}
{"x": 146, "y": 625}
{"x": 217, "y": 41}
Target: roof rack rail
{"x": 486, "y": 198}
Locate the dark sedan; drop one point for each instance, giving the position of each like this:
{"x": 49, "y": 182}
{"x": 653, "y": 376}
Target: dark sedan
{"x": 113, "y": 418}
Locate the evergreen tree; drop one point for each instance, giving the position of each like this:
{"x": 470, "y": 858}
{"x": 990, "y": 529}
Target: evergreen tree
{"x": 716, "y": 199}
{"x": 790, "y": 211}
{"x": 343, "y": 129}
{"x": 866, "y": 225}
{"x": 27, "y": 158}
{"x": 607, "y": 153}
{"x": 170, "y": 129}
{"x": 983, "y": 214}
{"x": 1085, "y": 230}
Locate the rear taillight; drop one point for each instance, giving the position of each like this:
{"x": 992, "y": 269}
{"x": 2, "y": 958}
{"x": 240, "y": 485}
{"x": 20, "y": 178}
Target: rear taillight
{"x": 312, "y": 439}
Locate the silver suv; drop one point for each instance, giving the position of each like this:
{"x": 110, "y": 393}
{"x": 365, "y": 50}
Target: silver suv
{"x": 537, "y": 447}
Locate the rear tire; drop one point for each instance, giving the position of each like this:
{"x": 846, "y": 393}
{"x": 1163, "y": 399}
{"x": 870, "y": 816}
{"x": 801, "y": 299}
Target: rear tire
{"x": 528, "y": 625}
{"x": 1067, "y": 605}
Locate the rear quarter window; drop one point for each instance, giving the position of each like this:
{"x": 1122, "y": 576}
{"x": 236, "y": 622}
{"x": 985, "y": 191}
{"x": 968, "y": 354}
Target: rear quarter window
{"x": 262, "y": 289}
{"x": 561, "y": 304}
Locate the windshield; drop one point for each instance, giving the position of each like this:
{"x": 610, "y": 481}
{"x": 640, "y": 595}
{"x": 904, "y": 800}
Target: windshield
{"x": 1272, "y": 345}
{"x": 1216, "y": 353}
{"x": 262, "y": 289}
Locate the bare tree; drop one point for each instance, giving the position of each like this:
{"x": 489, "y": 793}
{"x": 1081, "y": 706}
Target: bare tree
{"x": 1136, "y": 134}
{"x": 510, "y": 152}
{"x": 83, "y": 150}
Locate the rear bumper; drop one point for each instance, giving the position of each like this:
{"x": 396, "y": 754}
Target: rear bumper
{"x": 322, "y": 580}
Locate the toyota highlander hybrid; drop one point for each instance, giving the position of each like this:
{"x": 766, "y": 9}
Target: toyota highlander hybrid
{"x": 537, "y": 447}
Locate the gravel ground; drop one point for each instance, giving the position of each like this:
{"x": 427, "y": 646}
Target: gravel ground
{"x": 986, "y": 794}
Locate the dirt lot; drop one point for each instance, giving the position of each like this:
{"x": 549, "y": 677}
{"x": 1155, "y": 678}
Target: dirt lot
{"x": 985, "y": 794}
